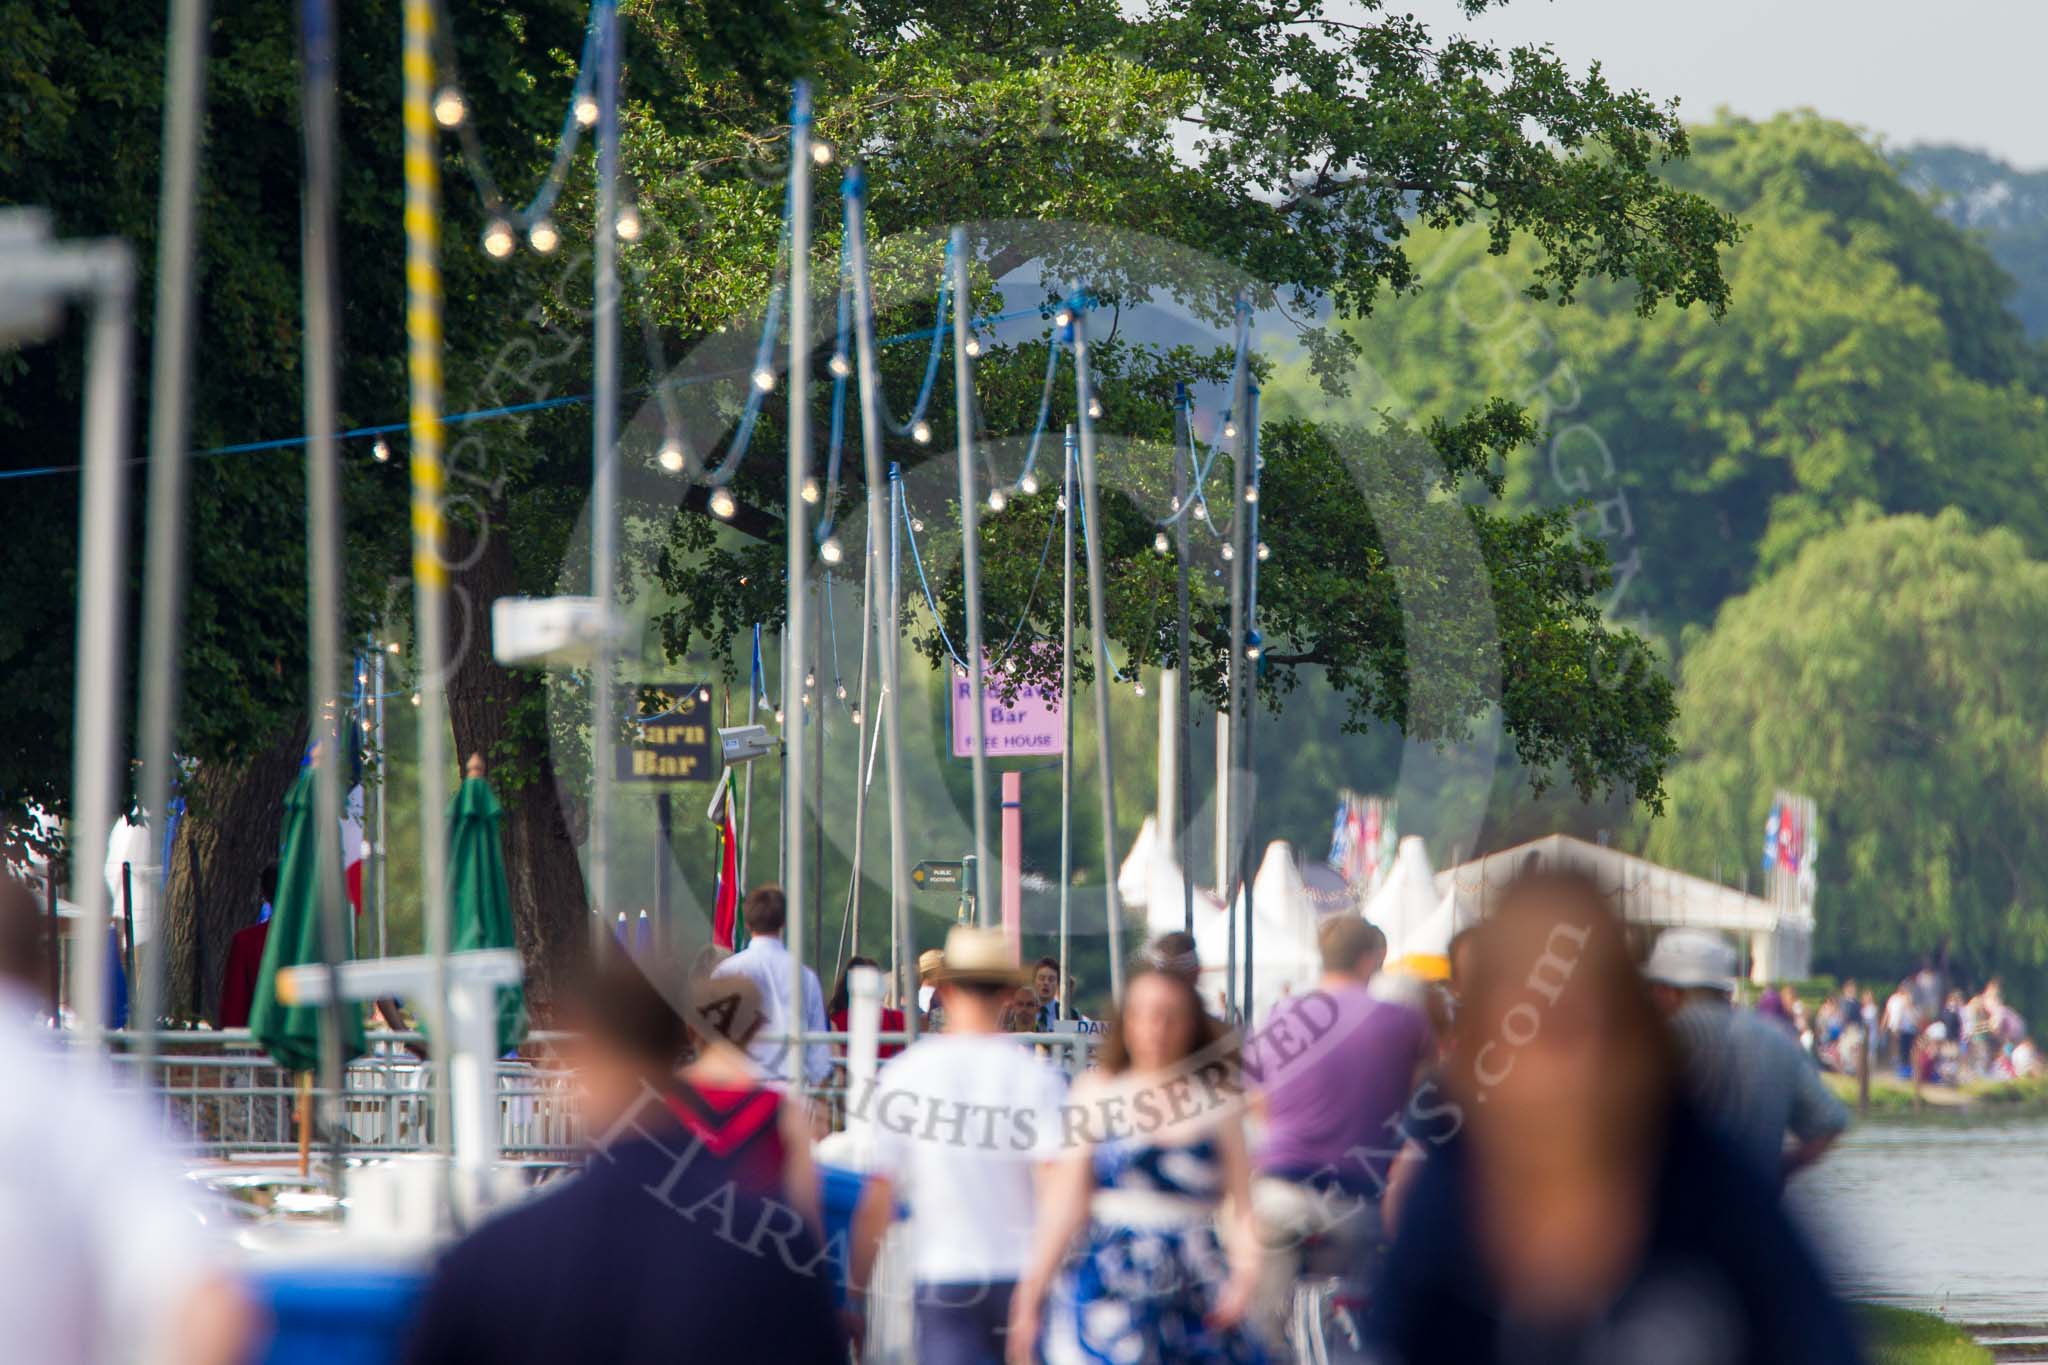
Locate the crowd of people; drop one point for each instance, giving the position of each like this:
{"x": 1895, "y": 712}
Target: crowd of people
{"x": 1557, "y": 1154}
{"x": 1928, "y": 1030}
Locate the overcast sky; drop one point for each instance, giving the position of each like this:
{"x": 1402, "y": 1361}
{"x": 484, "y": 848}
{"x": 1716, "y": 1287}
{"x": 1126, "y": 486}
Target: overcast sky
{"x": 1973, "y": 72}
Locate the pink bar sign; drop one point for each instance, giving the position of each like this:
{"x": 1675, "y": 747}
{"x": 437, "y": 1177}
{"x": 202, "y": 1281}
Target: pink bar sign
{"x": 1031, "y": 726}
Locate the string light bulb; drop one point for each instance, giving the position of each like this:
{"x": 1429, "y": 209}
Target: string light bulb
{"x": 1028, "y": 484}
{"x": 1138, "y": 686}
{"x": 628, "y": 222}
{"x": 841, "y": 691}
{"x": 1094, "y": 406}
{"x": 1229, "y": 431}
{"x": 922, "y": 433}
{"x": 1063, "y": 317}
{"x": 722, "y": 503}
{"x": 810, "y": 680}
{"x": 391, "y": 648}
{"x": 498, "y": 239}
{"x": 811, "y": 494}
{"x": 1229, "y": 551}
{"x": 1201, "y": 511}
{"x": 415, "y": 699}
{"x": 1174, "y": 506}
{"x": 764, "y": 379}
{"x": 1159, "y": 542}
{"x": 703, "y": 694}
{"x": 821, "y": 153}
{"x": 380, "y": 451}
{"x": 778, "y": 715}
{"x": 973, "y": 346}
{"x": 839, "y": 365}
{"x": 917, "y": 525}
{"x": 1265, "y": 552}
{"x": 996, "y": 501}
{"x": 856, "y": 715}
{"x": 1251, "y": 492}
{"x": 1251, "y": 651}
{"x": 671, "y": 455}
{"x": 586, "y": 109}
{"x": 543, "y": 237}
{"x": 449, "y": 107}
{"x": 830, "y": 550}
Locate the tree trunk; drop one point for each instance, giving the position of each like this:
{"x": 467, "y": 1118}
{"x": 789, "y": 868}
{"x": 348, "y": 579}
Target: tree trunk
{"x": 234, "y": 818}
{"x": 501, "y": 714}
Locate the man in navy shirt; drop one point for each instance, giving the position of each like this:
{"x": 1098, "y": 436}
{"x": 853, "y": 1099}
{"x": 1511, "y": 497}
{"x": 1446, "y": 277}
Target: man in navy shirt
{"x": 654, "y": 1252}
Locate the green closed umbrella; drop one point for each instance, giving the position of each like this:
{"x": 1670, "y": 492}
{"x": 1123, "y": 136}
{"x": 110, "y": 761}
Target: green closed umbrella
{"x": 291, "y": 1033}
{"x": 479, "y": 906}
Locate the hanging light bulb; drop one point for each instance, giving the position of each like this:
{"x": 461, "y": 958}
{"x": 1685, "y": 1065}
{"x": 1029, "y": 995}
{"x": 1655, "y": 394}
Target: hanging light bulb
{"x": 1201, "y": 511}
{"x": 1028, "y": 484}
{"x": 841, "y": 691}
{"x": 380, "y": 451}
{"x": 922, "y": 433}
{"x": 1229, "y": 430}
{"x": 830, "y": 550}
{"x": 974, "y": 346}
{"x": 917, "y": 525}
{"x": 1229, "y": 551}
{"x": 1063, "y": 317}
{"x": 498, "y": 238}
{"x": 722, "y": 503}
{"x": 1138, "y": 686}
{"x": 671, "y": 455}
{"x": 586, "y": 109}
{"x": 1094, "y": 406}
{"x": 391, "y": 648}
{"x": 1174, "y": 506}
{"x": 821, "y": 153}
{"x": 449, "y": 107}
{"x": 764, "y": 379}
{"x": 778, "y": 715}
{"x": 810, "y": 491}
{"x": 628, "y": 222}
{"x": 543, "y": 236}
{"x": 1265, "y": 552}
{"x": 415, "y": 699}
{"x": 366, "y": 727}
{"x": 1009, "y": 668}
{"x": 996, "y": 501}
{"x": 810, "y": 681}
{"x": 958, "y": 671}
{"x": 1251, "y": 651}
{"x": 1160, "y": 542}
{"x": 856, "y": 715}
{"x": 1060, "y": 503}
{"x": 839, "y": 366}
{"x": 703, "y": 694}
{"x": 1251, "y": 492}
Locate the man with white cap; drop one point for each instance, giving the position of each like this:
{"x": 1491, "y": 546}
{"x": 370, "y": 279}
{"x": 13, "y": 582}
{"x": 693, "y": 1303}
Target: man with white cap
{"x": 1748, "y": 1076}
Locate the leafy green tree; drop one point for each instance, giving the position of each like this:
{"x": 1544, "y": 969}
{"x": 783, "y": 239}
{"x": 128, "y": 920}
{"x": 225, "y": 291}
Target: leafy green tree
{"x": 1868, "y": 365}
{"x": 1896, "y": 671}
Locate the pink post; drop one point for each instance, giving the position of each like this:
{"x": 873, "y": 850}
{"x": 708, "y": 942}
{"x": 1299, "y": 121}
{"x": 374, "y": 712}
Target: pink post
{"x": 1013, "y": 863}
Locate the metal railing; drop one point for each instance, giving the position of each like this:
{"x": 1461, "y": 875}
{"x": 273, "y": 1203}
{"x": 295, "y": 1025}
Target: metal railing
{"x": 222, "y": 1096}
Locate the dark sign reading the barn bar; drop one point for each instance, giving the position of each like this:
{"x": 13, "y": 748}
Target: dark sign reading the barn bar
{"x": 679, "y": 745}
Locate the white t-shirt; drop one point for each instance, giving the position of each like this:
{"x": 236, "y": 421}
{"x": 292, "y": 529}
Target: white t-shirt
{"x": 99, "y": 1241}
{"x": 960, "y": 1122}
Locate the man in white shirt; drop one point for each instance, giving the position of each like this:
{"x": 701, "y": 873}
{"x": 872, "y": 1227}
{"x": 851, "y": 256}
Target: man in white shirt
{"x": 105, "y": 1259}
{"x": 765, "y": 962}
{"x": 961, "y": 1123}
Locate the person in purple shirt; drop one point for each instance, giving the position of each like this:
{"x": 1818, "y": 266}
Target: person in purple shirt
{"x": 1333, "y": 1069}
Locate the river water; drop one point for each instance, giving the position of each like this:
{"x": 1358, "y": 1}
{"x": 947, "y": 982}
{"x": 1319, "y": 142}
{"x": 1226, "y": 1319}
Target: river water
{"x": 1948, "y": 1217}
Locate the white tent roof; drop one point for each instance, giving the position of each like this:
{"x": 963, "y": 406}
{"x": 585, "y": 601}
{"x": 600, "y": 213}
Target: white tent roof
{"x": 1406, "y": 899}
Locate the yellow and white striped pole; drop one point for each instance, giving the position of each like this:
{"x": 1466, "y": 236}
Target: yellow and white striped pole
{"x": 429, "y": 563}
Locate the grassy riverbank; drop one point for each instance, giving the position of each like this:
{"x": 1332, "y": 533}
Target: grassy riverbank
{"x": 1898, "y": 1337}
{"x": 1891, "y": 1097}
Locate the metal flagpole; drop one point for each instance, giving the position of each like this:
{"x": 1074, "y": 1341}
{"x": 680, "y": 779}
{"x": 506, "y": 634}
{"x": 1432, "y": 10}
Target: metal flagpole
{"x": 798, "y": 569}
{"x": 817, "y": 714}
{"x": 1233, "y": 886}
{"x": 323, "y": 534}
{"x": 1183, "y": 455}
{"x": 1248, "y": 560}
{"x": 429, "y": 561}
{"x": 604, "y": 454}
{"x": 109, "y": 271}
{"x": 164, "y": 577}
{"x": 863, "y": 761}
{"x": 970, "y": 561}
{"x": 383, "y": 850}
{"x": 1066, "y": 712}
{"x": 1091, "y": 526}
{"x": 888, "y": 641}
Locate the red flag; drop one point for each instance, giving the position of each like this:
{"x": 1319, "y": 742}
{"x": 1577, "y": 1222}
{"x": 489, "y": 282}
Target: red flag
{"x": 726, "y": 911}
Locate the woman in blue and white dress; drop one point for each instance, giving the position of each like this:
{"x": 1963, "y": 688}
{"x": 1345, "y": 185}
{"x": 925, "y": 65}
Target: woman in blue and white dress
{"x": 1146, "y": 1251}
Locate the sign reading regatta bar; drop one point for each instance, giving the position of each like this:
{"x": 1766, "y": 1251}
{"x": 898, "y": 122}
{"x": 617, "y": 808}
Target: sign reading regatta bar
{"x": 1032, "y": 726}
{"x": 679, "y": 745}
